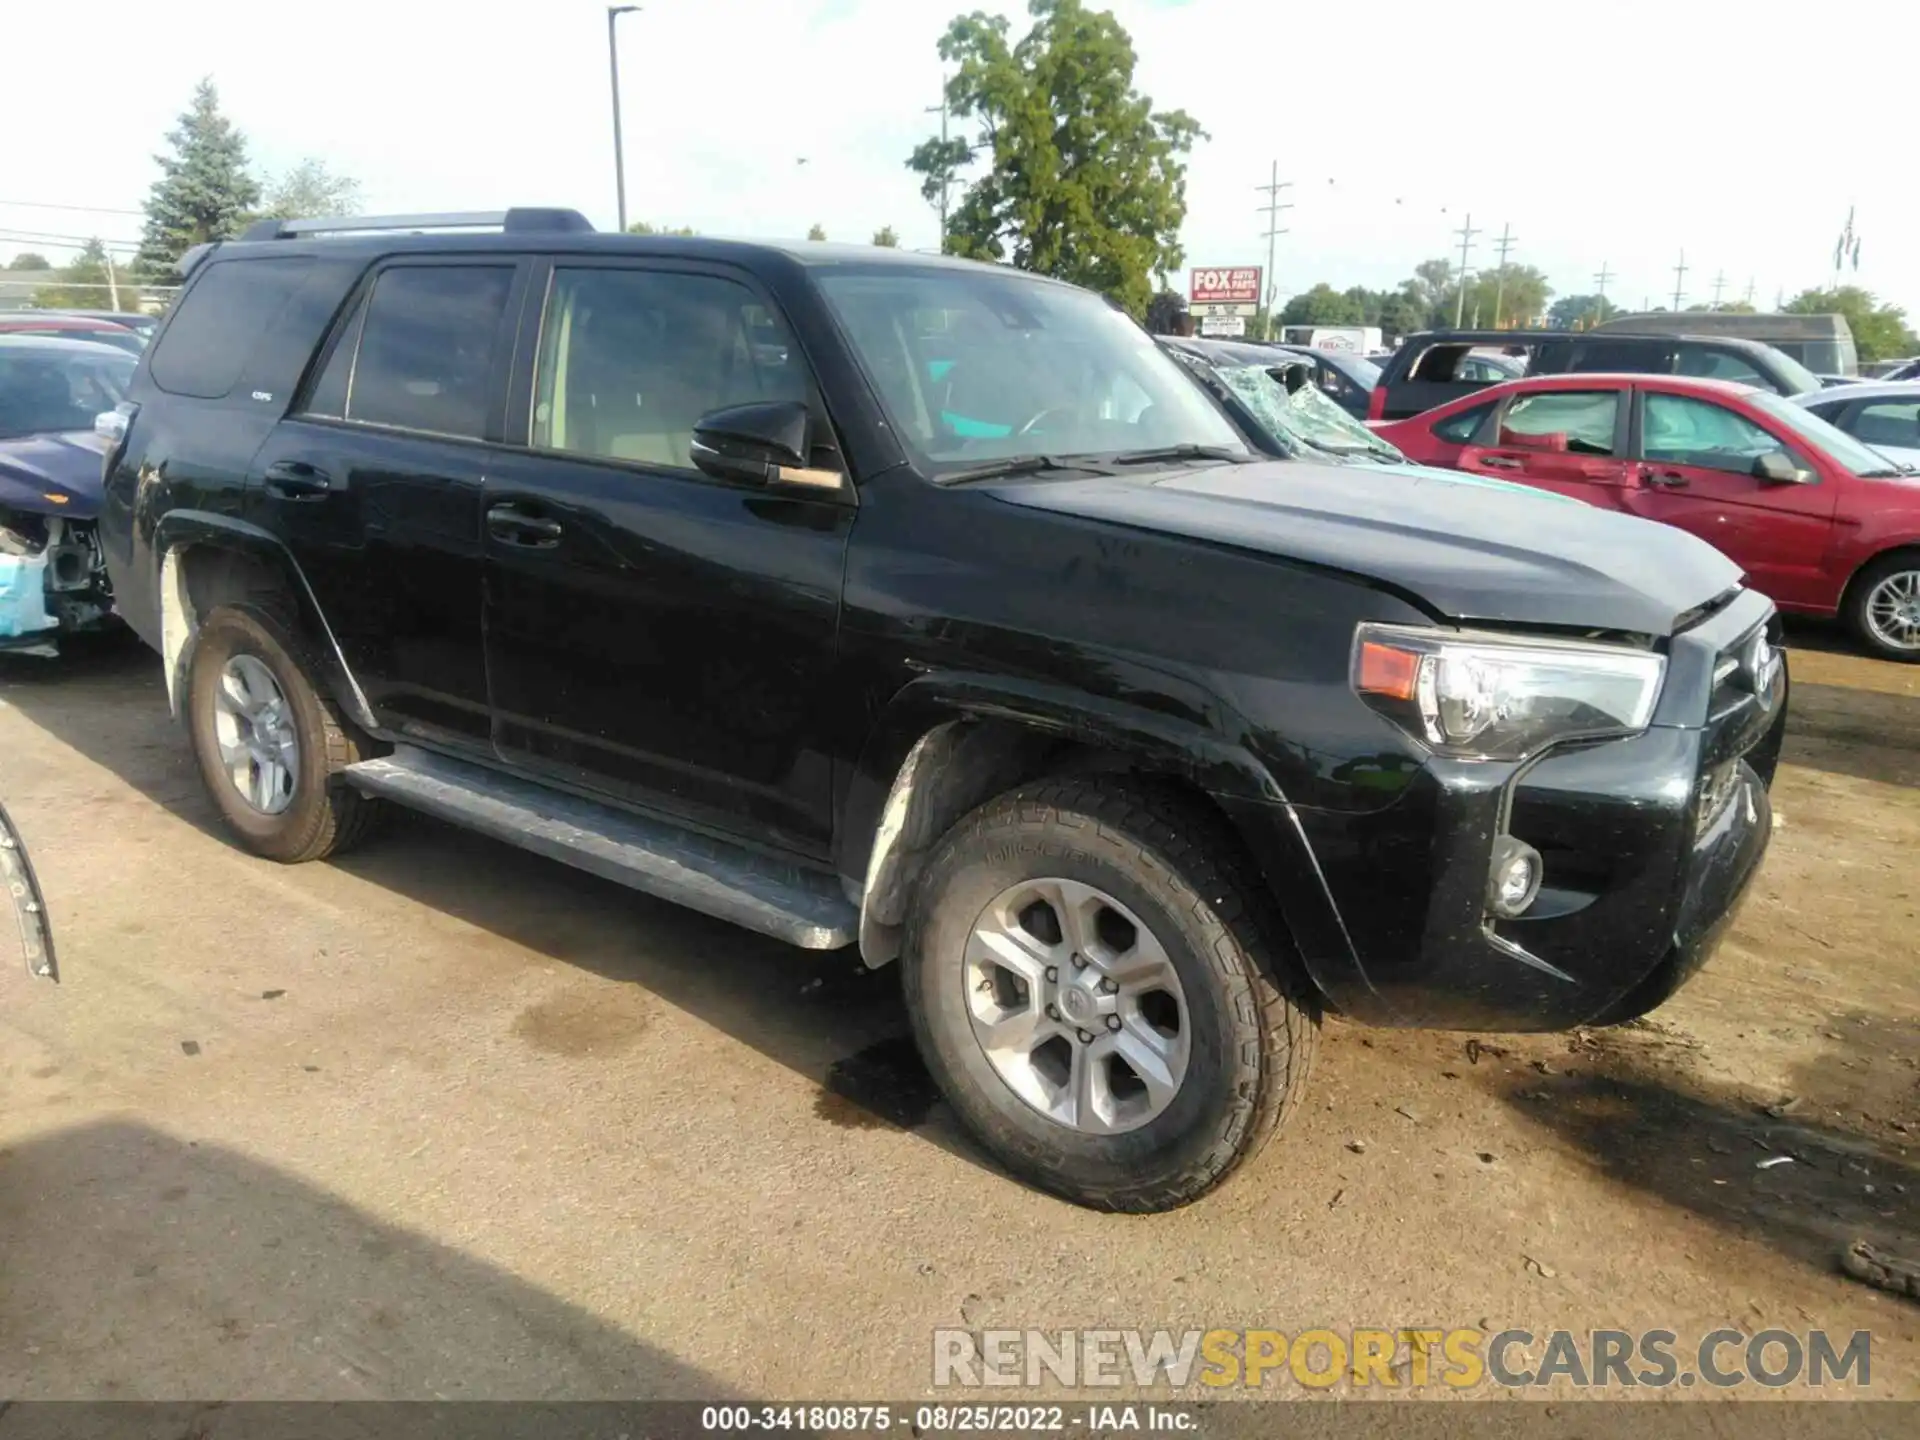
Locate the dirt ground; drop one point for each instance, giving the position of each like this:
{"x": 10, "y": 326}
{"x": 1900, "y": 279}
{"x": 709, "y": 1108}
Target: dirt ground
{"x": 444, "y": 1120}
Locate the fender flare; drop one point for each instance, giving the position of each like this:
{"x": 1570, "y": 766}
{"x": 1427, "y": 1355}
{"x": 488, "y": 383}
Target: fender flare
{"x": 179, "y": 531}
{"x": 933, "y": 754}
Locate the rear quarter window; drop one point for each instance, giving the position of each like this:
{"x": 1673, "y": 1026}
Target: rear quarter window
{"x": 1459, "y": 429}
{"x": 205, "y": 347}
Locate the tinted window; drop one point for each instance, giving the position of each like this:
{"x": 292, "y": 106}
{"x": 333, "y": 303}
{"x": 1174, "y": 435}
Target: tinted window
{"x": 1717, "y": 365}
{"x": 1459, "y": 429}
{"x": 1683, "y": 431}
{"x": 1601, "y": 356}
{"x": 1575, "y": 422}
{"x": 1888, "y": 422}
{"x": 425, "y": 351}
{"x": 220, "y": 319}
{"x": 631, "y": 359}
{"x": 45, "y": 390}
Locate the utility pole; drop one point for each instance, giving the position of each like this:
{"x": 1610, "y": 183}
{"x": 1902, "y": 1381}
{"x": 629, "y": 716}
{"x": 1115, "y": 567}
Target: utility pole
{"x": 1466, "y": 233}
{"x": 614, "y": 12}
{"x": 1749, "y": 292}
{"x": 1679, "y": 278}
{"x": 1600, "y": 281}
{"x": 113, "y": 281}
{"x": 946, "y": 176}
{"x": 1507, "y": 242}
{"x": 1272, "y": 210}
{"x": 1719, "y": 284}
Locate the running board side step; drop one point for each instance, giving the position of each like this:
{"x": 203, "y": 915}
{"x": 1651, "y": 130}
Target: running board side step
{"x": 730, "y": 882}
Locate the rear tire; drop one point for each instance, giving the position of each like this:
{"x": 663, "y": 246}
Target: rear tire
{"x": 1883, "y": 607}
{"x": 1216, "y": 1051}
{"x": 270, "y": 743}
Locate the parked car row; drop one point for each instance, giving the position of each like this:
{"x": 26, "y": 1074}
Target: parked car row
{"x": 1134, "y": 699}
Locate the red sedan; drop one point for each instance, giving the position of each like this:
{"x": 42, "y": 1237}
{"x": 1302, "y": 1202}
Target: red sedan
{"x": 1821, "y": 523}
{"x": 72, "y": 327}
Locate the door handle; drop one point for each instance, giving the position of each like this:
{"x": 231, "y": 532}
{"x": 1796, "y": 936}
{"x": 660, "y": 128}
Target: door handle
{"x": 514, "y": 526}
{"x": 1500, "y": 462}
{"x": 1665, "y": 479}
{"x": 296, "y": 480}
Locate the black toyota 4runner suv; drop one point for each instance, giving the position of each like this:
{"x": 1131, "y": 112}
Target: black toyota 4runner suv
{"x": 870, "y": 598}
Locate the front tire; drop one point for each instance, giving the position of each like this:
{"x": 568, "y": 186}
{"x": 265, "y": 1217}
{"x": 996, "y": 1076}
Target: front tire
{"x": 1883, "y": 607}
{"x": 1094, "y": 979}
{"x": 269, "y": 742}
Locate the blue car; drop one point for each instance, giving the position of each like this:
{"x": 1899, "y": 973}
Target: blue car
{"x": 53, "y": 577}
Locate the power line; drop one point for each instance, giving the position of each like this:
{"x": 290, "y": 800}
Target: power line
{"x": 1272, "y": 210}
{"x": 48, "y": 205}
{"x": 11, "y": 235}
{"x": 1466, "y": 233}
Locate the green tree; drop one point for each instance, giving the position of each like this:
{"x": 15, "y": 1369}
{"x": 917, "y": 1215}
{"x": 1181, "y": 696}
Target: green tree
{"x": 1433, "y": 290}
{"x": 310, "y": 189}
{"x": 204, "y": 191}
{"x": 29, "y": 260}
{"x": 1086, "y": 180}
{"x": 1323, "y": 305}
{"x": 641, "y": 227}
{"x": 816, "y": 231}
{"x": 1880, "y": 332}
{"x": 885, "y": 237}
{"x": 1402, "y": 311}
{"x": 1518, "y": 299}
{"x": 87, "y": 285}
{"x": 1574, "y": 312}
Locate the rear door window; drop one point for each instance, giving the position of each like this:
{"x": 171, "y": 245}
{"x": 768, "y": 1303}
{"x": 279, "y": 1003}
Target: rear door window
{"x": 221, "y": 318}
{"x": 420, "y": 353}
{"x": 1580, "y": 422}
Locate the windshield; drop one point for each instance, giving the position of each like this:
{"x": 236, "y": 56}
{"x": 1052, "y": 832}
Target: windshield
{"x": 1306, "y": 417}
{"x": 1860, "y": 459}
{"x": 42, "y": 391}
{"x": 976, "y": 367}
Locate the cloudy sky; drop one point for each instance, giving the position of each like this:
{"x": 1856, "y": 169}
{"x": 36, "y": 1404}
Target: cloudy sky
{"x": 1619, "y": 135}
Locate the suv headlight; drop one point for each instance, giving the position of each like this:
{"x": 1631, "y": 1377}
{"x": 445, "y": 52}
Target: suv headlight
{"x": 1489, "y": 698}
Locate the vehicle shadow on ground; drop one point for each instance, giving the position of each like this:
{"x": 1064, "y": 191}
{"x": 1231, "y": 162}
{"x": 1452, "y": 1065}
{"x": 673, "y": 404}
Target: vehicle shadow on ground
{"x": 1863, "y": 733}
{"x": 1848, "y": 1130}
{"x": 139, "y": 1266}
{"x": 822, "y": 1014}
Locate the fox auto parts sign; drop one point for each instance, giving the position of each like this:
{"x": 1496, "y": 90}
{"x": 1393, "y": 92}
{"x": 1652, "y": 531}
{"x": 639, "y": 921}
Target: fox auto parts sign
{"x": 1234, "y": 292}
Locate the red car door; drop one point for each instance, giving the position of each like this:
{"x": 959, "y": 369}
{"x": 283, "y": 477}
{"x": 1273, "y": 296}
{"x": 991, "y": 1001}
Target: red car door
{"x": 1571, "y": 440}
{"x": 1697, "y": 470}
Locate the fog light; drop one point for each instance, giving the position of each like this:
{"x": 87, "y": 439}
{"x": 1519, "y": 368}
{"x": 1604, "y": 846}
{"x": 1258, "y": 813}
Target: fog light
{"x": 1514, "y": 882}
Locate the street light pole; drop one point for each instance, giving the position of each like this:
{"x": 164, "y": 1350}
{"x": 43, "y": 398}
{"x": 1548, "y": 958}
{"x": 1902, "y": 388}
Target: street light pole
{"x": 614, "y": 12}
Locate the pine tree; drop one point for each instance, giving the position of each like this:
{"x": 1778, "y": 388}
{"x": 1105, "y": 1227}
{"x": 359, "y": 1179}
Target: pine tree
{"x": 204, "y": 191}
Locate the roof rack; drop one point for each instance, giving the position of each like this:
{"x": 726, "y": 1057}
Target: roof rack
{"x": 521, "y": 220}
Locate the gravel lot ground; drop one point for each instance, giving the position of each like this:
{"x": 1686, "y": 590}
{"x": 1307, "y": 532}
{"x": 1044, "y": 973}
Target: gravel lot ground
{"x": 442, "y": 1119}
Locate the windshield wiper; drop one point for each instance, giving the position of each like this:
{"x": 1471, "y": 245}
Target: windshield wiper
{"x": 1014, "y": 465}
{"x": 1178, "y": 452}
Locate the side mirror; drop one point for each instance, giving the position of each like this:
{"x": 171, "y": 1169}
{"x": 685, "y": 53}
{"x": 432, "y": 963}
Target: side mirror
{"x": 762, "y": 444}
{"x": 1774, "y": 468}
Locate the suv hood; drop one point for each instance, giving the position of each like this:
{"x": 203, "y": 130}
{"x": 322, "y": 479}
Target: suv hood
{"x": 53, "y": 474}
{"x": 1471, "y": 552}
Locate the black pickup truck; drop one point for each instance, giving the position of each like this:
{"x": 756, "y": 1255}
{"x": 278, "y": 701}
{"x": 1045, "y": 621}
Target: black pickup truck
{"x": 870, "y": 598}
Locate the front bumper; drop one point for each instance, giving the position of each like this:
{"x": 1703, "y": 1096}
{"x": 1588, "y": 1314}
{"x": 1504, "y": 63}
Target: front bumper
{"x": 57, "y": 589}
{"x": 1648, "y": 845}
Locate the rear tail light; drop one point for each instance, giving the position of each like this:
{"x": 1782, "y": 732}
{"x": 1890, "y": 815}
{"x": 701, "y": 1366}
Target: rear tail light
{"x": 1377, "y": 402}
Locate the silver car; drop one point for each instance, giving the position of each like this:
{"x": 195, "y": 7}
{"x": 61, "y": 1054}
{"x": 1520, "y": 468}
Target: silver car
{"x": 1884, "y": 415}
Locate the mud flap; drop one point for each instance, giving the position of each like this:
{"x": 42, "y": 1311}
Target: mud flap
{"x": 29, "y": 906}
